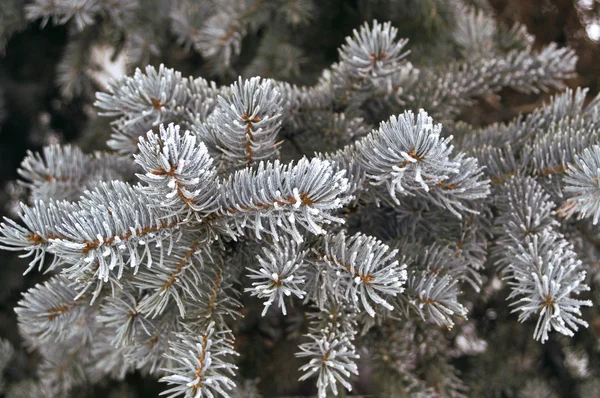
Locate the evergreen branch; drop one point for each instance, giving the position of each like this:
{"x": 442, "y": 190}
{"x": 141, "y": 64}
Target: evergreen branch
{"x": 245, "y": 124}
{"x": 407, "y": 154}
{"x": 582, "y": 183}
{"x": 373, "y": 52}
{"x": 525, "y": 209}
{"x": 567, "y": 105}
{"x": 445, "y": 93}
{"x": 119, "y": 313}
{"x": 282, "y": 196}
{"x": 369, "y": 269}
{"x": 179, "y": 172}
{"x": 280, "y": 274}
{"x": 217, "y": 300}
{"x": 51, "y": 313}
{"x": 156, "y": 95}
{"x": 42, "y": 222}
{"x": 545, "y": 274}
{"x": 113, "y": 220}
{"x": 199, "y": 364}
{"x": 332, "y": 358}
{"x": 62, "y": 11}
{"x": 439, "y": 260}
{"x": 176, "y": 279}
{"x": 65, "y": 172}
{"x": 432, "y": 298}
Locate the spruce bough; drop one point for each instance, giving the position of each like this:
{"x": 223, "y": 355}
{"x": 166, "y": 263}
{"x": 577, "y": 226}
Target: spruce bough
{"x": 155, "y": 247}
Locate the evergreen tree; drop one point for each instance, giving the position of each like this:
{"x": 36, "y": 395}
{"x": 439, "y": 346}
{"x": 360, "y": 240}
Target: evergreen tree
{"x": 368, "y": 221}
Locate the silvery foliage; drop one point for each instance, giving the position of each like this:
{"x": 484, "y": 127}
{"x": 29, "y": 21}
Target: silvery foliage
{"x": 82, "y": 12}
{"x": 498, "y": 146}
{"x": 153, "y": 95}
{"x": 332, "y": 357}
{"x": 409, "y": 156}
{"x": 201, "y": 367}
{"x": 120, "y": 313}
{"x": 364, "y": 270}
{"x": 281, "y": 274}
{"x": 539, "y": 264}
{"x": 214, "y": 29}
{"x": 159, "y": 255}
{"x": 373, "y": 50}
{"x": 274, "y": 197}
{"x": 475, "y": 30}
{"x": 433, "y": 298}
{"x": 65, "y": 172}
{"x": 526, "y": 210}
{"x": 41, "y": 221}
{"x": 372, "y": 63}
{"x": 178, "y": 277}
{"x": 52, "y": 304}
{"x": 582, "y": 183}
{"x": 60, "y": 12}
{"x": 181, "y": 166}
{"x": 439, "y": 269}
{"x": 244, "y": 126}
{"x": 112, "y": 229}
{"x": 547, "y": 275}
{"x": 495, "y": 57}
